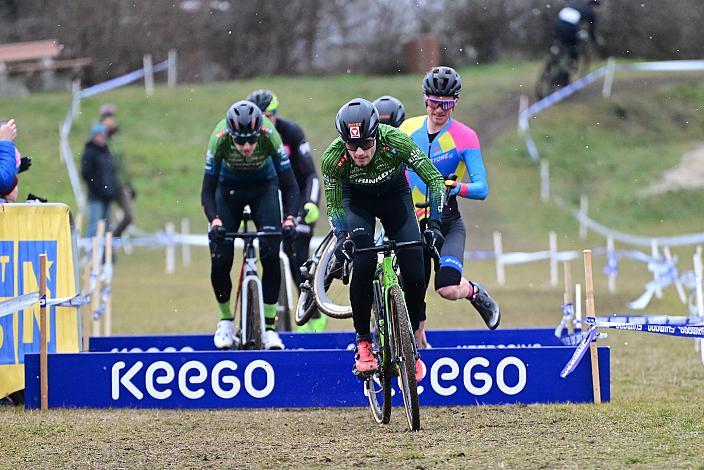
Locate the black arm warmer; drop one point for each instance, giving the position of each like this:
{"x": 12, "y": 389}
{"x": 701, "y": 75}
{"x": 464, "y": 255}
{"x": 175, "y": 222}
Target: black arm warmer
{"x": 289, "y": 193}
{"x": 207, "y": 196}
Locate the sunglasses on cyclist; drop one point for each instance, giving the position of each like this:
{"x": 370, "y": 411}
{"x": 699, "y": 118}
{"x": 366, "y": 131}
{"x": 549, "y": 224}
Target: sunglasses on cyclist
{"x": 252, "y": 139}
{"x": 365, "y": 145}
{"x": 436, "y": 103}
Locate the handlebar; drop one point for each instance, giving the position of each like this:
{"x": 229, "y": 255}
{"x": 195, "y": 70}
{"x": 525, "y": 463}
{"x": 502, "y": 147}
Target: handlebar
{"x": 389, "y": 246}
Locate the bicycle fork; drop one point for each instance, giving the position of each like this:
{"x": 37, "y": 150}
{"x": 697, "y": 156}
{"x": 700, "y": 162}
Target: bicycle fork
{"x": 250, "y": 275}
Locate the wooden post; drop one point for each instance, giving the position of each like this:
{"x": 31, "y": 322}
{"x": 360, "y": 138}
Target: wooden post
{"x": 584, "y": 211}
{"x": 609, "y": 254}
{"x": 85, "y": 308}
{"x": 107, "y": 323}
{"x": 75, "y": 97}
{"x": 591, "y": 312}
{"x": 171, "y": 70}
{"x": 498, "y": 254}
{"x": 185, "y": 247}
{"x": 678, "y": 285}
{"x": 544, "y": 180}
{"x": 170, "y": 249}
{"x": 698, "y": 281}
{"x": 43, "y": 356}
{"x": 95, "y": 273}
{"x": 699, "y": 295}
{"x": 578, "y": 304}
{"x": 552, "y": 241}
{"x": 568, "y": 295}
{"x": 655, "y": 253}
{"x": 148, "y": 75}
{"x": 523, "y": 102}
{"x": 608, "y": 78}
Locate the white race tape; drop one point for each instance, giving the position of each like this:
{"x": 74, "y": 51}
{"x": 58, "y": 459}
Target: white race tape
{"x": 18, "y": 303}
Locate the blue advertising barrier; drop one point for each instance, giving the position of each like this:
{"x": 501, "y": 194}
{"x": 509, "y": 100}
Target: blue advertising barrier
{"x": 299, "y": 379}
{"x": 469, "y": 339}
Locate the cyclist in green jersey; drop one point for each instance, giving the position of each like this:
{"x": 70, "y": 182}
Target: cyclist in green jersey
{"x": 245, "y": 165}
{"x": 364, "y": 179}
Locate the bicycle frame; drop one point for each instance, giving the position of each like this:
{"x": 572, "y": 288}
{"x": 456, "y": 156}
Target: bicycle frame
{"x": 250, "y": 275}
{"x": 385, "y": 278}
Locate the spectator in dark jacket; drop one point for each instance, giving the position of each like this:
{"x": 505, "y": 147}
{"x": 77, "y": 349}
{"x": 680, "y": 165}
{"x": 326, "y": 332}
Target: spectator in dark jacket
{"x": 99, "y": 172}
{"x": 127, "y": 193}
{"x": 8, "y": 165}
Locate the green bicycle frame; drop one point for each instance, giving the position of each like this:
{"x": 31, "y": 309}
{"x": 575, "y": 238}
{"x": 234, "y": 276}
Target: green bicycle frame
{"x": 387, "y": 272}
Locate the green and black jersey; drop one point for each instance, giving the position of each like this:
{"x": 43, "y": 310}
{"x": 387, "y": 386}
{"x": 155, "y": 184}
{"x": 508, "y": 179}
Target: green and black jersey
{"x": 226, "y": 166}
{"x": 385, "y": 173}
{"x": 268, "y": 159}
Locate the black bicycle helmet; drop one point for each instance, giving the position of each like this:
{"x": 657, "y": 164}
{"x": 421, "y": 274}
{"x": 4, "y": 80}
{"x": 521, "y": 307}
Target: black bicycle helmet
{"x": 264, "y": 99}
{"x": 244, "y": 119}
{"x": 442, "y": 81}
{"x": 391, "y": 110}
{"x": 357, "y": 120}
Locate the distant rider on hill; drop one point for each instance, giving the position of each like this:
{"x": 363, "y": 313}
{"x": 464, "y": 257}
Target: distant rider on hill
{"x": 569, "y": 22}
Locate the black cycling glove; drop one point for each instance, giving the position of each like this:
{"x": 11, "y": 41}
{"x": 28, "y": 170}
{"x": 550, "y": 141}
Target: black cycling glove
{"x": 432, "y": 236}
{"x": 216, "y": 234}
{"x": 288, "y": 232}
{"x": 340, "y": 253}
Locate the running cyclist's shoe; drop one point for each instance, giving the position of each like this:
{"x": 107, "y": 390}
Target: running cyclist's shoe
{"x": 364, "y": 359}
{"x": 224, "y": 334}
{"x": 419, "y": 370}
{"x": 271, "y": 340}
{"x": 486, "y": 306}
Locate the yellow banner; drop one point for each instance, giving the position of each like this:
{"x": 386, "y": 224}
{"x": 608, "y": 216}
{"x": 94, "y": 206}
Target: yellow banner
{"x": 27, "y": 231}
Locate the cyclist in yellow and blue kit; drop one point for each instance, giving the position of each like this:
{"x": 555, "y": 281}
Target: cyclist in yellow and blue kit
{"x": 454, "y": 149}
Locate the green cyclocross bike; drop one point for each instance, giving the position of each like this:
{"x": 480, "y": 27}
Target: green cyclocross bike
{"x": 394, "y": 343}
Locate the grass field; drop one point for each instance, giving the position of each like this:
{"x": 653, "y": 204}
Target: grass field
{"x": 656, "y": 417}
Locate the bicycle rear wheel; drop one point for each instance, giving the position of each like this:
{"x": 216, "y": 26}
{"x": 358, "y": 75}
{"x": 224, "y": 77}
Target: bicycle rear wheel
{"x": 403, "y": 340}
{"x": 253, "y": 339}
{"x": 545, "y": 84}
{"x": 378, "y": 387}
{"x": 331, "y": 295}
{"x": 305, "y": 307}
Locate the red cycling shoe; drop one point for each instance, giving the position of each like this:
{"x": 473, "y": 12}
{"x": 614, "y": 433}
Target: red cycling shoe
{"x": 364, "y": 360}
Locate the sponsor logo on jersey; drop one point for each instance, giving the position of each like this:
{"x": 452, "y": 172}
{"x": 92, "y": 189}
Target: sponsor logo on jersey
{"x": 391, "y": 150}
{"x": 342, "y": 161}
{"x": 354, "y": 128}
{"x": 266, "y": 130}
{"x": 222, "y": 134}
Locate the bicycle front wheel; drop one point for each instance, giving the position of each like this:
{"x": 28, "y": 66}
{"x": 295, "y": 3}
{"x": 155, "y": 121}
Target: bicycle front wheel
{"x": 253, "y": 333}
{"x": 305, "y": 307}
{"x": 331, "y": 295}
{"x": 378, "y": 387}
{"x": 283, "y": 322}
{"x": 403, "y": 340}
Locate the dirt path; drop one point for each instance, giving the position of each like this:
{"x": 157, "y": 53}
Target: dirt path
{"x": 689, "y": 174}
